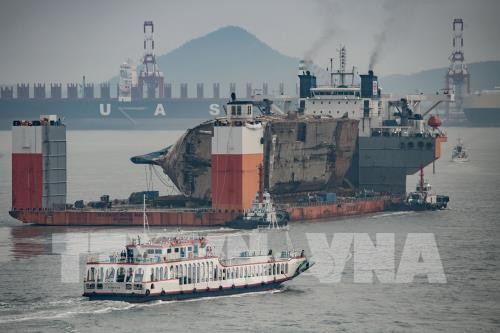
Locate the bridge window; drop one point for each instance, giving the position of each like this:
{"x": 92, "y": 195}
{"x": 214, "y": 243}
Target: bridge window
{"x": 238, "y": 110}
{"x": 249, "y": 110}
{"x": 233, "y": 110}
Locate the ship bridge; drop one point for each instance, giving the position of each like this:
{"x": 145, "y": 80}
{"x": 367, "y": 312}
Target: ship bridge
{"x": 329, "y": 92}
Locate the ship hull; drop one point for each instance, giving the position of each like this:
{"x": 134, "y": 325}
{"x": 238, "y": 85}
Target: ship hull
{"x": 193, "y": 217}
{"x": 186, "y": 295}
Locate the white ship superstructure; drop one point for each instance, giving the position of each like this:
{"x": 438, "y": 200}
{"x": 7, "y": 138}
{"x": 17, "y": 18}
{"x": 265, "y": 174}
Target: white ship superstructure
{"x": 183, "y": 267}
{"x": 343, "y": 99}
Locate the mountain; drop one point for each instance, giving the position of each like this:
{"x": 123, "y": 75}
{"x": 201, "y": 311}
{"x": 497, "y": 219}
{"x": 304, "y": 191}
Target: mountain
{"x": 484, "y": 75}
{"x": 229, "y": 54}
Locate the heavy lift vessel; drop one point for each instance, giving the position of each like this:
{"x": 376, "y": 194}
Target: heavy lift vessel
{"x": 344, "y": 138}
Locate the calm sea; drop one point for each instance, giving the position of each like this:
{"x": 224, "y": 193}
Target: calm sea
{"x": 34, "y": 295}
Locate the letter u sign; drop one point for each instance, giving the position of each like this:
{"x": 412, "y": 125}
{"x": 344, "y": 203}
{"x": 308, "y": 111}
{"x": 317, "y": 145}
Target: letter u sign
{"x": 105, "y": 111}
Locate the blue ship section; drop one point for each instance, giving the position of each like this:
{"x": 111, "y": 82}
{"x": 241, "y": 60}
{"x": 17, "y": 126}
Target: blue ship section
{"x": 110, "y": 113}
{"x": 196, "y": 293}
{"x": 483, "y": 116}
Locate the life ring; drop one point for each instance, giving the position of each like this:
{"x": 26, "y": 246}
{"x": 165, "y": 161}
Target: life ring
{"x": 147, "y": 292}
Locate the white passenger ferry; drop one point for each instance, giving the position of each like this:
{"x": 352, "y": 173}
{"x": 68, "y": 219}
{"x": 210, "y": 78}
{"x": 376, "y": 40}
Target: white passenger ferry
{"x": 184, "y": 267}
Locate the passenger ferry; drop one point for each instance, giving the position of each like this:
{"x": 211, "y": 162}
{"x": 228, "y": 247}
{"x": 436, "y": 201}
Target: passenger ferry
{"x": 185, "y": 267}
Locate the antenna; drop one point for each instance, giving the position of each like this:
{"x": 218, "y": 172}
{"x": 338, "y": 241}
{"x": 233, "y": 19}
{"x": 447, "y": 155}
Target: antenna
{"x": 342, "y": 60}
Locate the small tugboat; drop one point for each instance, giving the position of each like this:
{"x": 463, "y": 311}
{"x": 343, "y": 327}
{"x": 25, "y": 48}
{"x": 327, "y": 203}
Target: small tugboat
{"x": 185, "y": 267}
{"x": 424, "y": 199}
{"x": 459, "y": 153}
{"x": 262, "y": 215}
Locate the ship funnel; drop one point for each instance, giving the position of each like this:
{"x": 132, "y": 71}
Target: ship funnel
{"x": 307, "y": 80}
{"x": 369, "y": 85}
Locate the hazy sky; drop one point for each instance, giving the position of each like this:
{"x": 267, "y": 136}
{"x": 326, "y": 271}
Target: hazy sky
{"x": 61, "y": 40}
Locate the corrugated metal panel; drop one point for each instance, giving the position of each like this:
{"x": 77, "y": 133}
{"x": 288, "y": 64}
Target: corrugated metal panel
{"x": 235, "y": 180}
{"x": 237, "y": 140}
{"x": 26, "y": 181}
{"x": 27, "y": 139}
{"x": 54, "y": 166}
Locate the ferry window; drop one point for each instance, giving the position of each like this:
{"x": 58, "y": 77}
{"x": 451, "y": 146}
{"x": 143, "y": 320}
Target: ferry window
{"x": 90, "y": 274}
{"x": 158, "y": 251}
{"x": 110, "y": 274}
{"x": 139, "y": 273}
{"x": 183, "y": 252}
{"x": 151, "y": 251}
{"x": 169, "y": 250}
{"x": 238, "y": 110}
{"x": 130, "y": 274}
{"x": 249, "y": 110}
{"x": 195, "y": 249}
{"x": 176, "y": 250}
{"x": 233, "y": 110}
{"x": 100, "y": 274}
{"x": 120, "y": 274}
{"x": 190, "y": 249}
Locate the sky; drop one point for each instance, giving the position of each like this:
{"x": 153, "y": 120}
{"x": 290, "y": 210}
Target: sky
{"x": 61, "y": 40}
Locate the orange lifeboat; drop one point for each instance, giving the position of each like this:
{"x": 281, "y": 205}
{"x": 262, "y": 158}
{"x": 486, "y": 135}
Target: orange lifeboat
{"x": 434, "y": 121}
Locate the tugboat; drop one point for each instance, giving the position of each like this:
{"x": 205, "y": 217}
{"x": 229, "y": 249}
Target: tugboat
{"x": 262, "y": 214}
{"x": 459, "y": 153}
{"x": 424, "y": 199}
{"x": 185, "y": 267}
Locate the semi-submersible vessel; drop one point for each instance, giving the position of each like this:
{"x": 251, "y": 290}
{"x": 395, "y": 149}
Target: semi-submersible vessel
{"x": 342, "y": 138}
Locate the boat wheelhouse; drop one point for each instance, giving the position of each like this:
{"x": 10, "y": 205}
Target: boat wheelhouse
{"x": 183, "y": 267}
